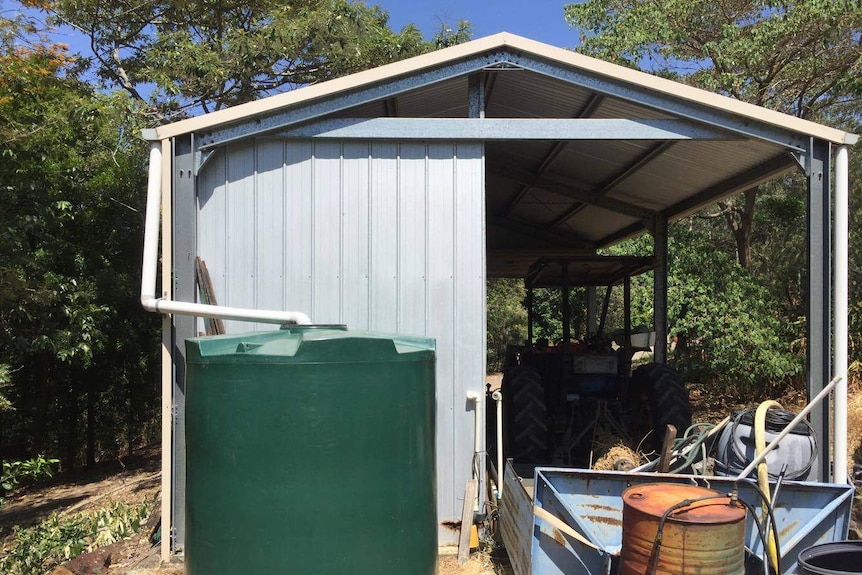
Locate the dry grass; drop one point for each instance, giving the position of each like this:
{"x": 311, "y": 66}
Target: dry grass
{"x": 620, "y": 457}
{"x": 480, "y": 563}
{"x": 854, "y": 424}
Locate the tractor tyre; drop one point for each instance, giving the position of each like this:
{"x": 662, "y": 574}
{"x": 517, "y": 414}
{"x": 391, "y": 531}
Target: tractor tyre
{"x": 667, "y": 399}
{"x": 527, "y": 417}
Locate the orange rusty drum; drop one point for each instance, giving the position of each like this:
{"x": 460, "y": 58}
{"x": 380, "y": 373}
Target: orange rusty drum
{"x": 705, "y": 537}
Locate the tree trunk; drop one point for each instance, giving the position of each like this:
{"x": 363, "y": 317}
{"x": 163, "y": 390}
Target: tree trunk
{"x": 91, "y": 421}
{"x": 740, "y": 220}
{"x": 70, "y": 439}
{"x": 43, "y": 405}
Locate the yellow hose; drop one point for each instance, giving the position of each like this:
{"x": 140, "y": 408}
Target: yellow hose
{"x": 763, "y": 472}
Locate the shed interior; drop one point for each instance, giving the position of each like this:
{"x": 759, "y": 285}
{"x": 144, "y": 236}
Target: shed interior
{"x": 562, "y": 196}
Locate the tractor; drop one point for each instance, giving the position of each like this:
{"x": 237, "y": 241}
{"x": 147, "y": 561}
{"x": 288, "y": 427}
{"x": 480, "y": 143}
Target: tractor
{"x": 557, "y": 394}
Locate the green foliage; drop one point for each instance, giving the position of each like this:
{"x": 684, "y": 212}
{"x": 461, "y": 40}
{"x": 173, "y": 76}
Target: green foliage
{"x": 446, "y": 36}
{"x": 800, "y": 57}
{"x": 729, "y": 329}
{"x": 36, "y": 550}
{"x": 212, "y": 54}
{"x": 507, "y": 319}
{"x": 71, "y": 330}
{"x": 548, "y": 313}
{"x": 17, "y": 473}
{"x": 797, "y": 56}
{"x": 5, "y": 383}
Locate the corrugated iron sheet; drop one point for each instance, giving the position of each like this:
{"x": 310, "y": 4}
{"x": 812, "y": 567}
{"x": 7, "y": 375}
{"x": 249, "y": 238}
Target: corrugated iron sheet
{"x": 381, "y": 236}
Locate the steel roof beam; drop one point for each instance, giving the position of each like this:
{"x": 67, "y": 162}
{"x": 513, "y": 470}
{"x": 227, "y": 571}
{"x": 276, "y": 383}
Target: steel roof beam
{"x": 391, "y": 105}
{"x": 588, "y": 110}
{"x": 567, "y": 240}
{"x": 571, "y": 189}
{"x": 478, "y": 128}
{"x": 720, "y": 119}
{"x": 631, "y": 170}
{"x": 734, "y": 184}
{"x": 677, "y": 106}
{"x": 712, "y": 194}
{"x": 313, "y": 109}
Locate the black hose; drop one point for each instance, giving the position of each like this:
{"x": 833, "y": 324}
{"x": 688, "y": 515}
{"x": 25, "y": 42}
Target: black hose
{"x": 776, "y": 421}
{"x": 764, "y": 540}
{"x": 656, "y": 548}
{"x": 773, "y": 527}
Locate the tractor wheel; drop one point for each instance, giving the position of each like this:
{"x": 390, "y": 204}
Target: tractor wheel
{"x": 667, "y": 399}
{"x": 527, "y": 417}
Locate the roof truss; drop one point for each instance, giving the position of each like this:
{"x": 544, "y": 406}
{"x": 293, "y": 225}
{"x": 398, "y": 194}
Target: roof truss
{"x": 568, "y": 188}
{"x": 500, "y": 61}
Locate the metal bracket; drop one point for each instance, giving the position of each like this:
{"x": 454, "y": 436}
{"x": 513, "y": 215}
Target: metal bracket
{"x": 201, "y": 158}
{"x": 504, "y": 66}
{"x": 799, "y": 158}
{"x": 649, "y": 225}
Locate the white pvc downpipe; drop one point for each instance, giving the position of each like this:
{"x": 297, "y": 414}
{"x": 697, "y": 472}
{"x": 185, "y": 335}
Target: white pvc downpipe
{"x": 151, "y": 259}
{"x": 497, "y": 396}
{"x": 842, "y": 238}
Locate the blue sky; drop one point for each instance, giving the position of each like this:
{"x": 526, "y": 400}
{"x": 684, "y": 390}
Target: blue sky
{"x": 540, "y": 20}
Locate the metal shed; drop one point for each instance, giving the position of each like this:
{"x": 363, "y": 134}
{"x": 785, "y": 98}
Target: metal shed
{"x": 385, "y": 199}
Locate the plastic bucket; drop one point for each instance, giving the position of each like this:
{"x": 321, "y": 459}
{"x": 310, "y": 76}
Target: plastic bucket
{"x": 839, "y": 558}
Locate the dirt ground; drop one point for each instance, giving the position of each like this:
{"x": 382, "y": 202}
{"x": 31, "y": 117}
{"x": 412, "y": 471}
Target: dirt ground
{"x": 137, "y": 479}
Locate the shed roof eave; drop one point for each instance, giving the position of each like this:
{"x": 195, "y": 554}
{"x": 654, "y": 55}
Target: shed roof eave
{"x": 505, "y": 40}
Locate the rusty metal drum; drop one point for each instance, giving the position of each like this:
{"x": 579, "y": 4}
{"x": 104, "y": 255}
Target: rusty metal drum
{"x": 706, "y": 536}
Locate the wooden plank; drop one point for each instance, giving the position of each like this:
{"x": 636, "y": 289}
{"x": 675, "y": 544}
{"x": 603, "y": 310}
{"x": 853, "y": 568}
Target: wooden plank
{"x": 215, "y": 326}
{"x": 470, "y": 494}
{"x": 666, "y": 449}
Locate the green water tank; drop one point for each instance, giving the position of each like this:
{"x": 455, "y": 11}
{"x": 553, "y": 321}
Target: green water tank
{"x": 310, "y": 450}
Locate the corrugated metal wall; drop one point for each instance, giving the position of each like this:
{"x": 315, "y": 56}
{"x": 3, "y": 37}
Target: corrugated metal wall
{"x": 377, "y": 235}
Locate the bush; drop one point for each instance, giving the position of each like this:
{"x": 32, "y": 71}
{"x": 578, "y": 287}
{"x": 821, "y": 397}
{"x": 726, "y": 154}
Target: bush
{"x": 16, "y": 473}
{"x": 38, "y": 549}
{"x": 728, "y": 323}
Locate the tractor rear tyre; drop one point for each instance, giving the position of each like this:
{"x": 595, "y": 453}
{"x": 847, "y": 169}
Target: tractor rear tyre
{"x": 667, "y": 398}
{"x": 527, "y": 417}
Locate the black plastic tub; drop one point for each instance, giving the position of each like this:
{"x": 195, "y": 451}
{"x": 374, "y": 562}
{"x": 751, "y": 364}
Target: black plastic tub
{"x": 839, "y": 558}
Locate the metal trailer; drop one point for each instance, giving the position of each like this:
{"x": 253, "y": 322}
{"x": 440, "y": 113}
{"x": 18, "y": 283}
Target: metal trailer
{"x": 590, "y": 502}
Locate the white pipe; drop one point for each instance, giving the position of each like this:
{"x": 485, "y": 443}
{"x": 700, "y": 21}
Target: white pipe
{"x": 842, "y": 234}
{"x": 151, "y": 258}
{"x": 790, "y": 427}
{"x": 478, "y": 451}
{"x": 497, "y": 396}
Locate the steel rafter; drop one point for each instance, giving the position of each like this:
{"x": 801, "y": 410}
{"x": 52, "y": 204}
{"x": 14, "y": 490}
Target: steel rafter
{"x": 567, "y": 240}
{"x": 615, "y": 181}
{"x": 585, "y": 112}
{"x": 569, "y": 188}
{"x": 734, "y": 184}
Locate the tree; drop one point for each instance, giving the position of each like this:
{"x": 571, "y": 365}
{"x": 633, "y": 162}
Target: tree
{"x": 71, "y": 329}
{"x": 729, "y": 327}
{"x": 800, "y": 57}
{"x": 447, "y": 36}
{"x": 209, "y": 54}
{"x": 507, "y": 319}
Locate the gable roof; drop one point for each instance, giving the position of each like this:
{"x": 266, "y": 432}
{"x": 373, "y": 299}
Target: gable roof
{"x": 510, "y": 42}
